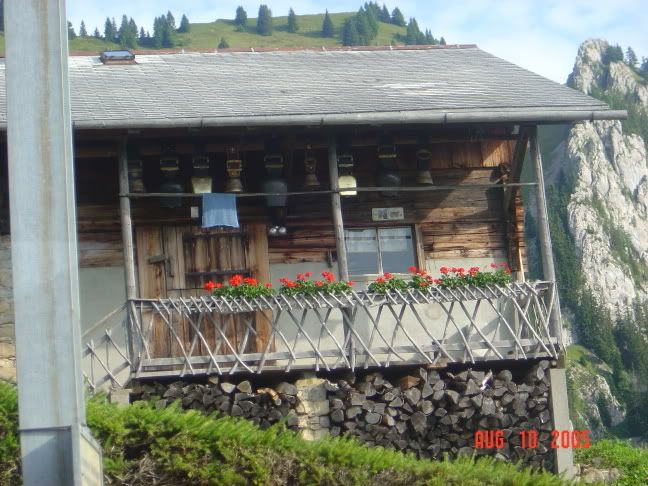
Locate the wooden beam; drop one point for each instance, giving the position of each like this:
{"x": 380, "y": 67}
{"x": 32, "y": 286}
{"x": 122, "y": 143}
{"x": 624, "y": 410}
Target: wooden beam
{"x": 516, "y": 167}
{"x": 126, "y": 223}
{"x": 544, "y": 235}
{"x": 336, "y": 203}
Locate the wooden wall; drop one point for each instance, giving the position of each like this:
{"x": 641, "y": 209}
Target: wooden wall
{"x": 457, "y": 224}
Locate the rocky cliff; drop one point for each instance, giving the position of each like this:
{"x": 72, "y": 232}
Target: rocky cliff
{"x": 608, "y": 210}
{"x": 602, "y": 170}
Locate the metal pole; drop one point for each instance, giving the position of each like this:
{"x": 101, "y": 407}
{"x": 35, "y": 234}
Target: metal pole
{"x": 548, "y": 270}
{"x": 126, "y": 223}
{"x": 336, "y": 203}
{"x": 44, "y": 247}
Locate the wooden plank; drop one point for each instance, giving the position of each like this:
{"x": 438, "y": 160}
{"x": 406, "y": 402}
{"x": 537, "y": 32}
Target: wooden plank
{"x": 173, "y": 249}
{"x": 259, "y": 264}
{"x": 152, "y": 285}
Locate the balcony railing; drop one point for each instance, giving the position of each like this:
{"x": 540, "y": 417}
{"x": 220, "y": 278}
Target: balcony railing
{"x": 214, "y": 335}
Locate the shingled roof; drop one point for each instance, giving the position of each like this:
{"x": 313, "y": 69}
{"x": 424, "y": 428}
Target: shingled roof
{"x": 316, "y": 87}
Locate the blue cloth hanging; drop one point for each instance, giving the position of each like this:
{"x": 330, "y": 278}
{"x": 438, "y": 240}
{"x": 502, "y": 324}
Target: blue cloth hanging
{"x": 219, "y": 210}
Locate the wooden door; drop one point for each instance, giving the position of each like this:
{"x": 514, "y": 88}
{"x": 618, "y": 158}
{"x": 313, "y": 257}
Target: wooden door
{"x": 177, "y": 260}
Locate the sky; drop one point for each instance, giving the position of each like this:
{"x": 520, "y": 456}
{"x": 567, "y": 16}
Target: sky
{"x": 542, "y": 36}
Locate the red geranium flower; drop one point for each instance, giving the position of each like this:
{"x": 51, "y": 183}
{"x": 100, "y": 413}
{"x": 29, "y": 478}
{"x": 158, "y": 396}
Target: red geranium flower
{"x": 209, "y": 286}
{"x": 283, "y": 280}
{"x": 388, "y": 275}
{"x": 319, "y": 283}
{"x": 250, "y": 281}
{"x": 268, "y": 285}
{"x": 437, "y": 281}
{"x": 351, "y": 283}
{"x": 412, "y": 269}
{"x": 328, "y": 276}
{"x": 493, "y": 265}
{"x": 300, "y": 276}
{"x": 444, "y": 270}
{"x": 380, "y": 280}
{"x": 236, "y": 280}
{"x": 291, "y": 284}
{"x": 308, "y": 274}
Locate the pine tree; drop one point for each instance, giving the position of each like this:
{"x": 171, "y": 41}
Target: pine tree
{"x": 264, "y": 21}
{"x": 163, "y": 34}
{"x": 109, "y": 32}
{"x": 142, "y": 37}
{"x": 361, "y": 21}
{"x": 241, "y": 19}
{"x": 127, "y": 33}
{"x": 350, "y": 36}
{"x": 97, "y": 34}
{"x": 292, "y": 21}
{"x": 82, "y": 30}
{"x": 327, "y": 26}
{"x": 184, "y": 24}
{"x": 114, "y": 29}
{"x": 631, "y": 57}
{"x": 643, "y": 69}
{"x": 384, "y": 15}
{"x": 413, "y": 32}
{"x": 397, "y": 17}
{"x": 612, "y": 54}
{"x": 442, "y": 41}
{"x": 372, "y": 20}
{"x": 170, "y": 20}
{"x": 223, "y": 43}
{"x": 71, "y": 33}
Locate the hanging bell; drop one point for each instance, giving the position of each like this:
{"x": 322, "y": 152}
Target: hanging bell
{"x": 346, "y": 179}
{"x": 388, "y": 175}
{"x": 170, "y": 167}
{"x": 423, "y": 175}
{"x": 234, "y": 167}
{"x": 135, "y": 172}
{"x": 201, "y": 181}
{"x": 310, "y": 167}
{"x": 275, "y": 181}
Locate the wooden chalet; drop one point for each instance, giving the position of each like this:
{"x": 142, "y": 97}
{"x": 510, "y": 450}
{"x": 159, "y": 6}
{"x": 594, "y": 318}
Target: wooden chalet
{"x": 386, "y": 158}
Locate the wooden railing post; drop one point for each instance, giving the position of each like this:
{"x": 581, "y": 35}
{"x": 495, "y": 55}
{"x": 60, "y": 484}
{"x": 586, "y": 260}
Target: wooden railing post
{"x": 127, "y": 242}
{"x": 340, "y": 245}
{"x": 544, "y": 235}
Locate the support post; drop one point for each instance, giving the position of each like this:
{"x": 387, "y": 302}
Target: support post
{"x": 56, "y": 448}
{"x": 548, "y": 270}
{"x": 336, "y": 203}
{"x": 126, "y": 222}
{"x": 340, "y": 246}
{"x": 560, "y": 416}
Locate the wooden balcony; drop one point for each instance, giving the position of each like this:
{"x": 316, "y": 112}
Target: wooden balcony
{"x": 210, "y": 335}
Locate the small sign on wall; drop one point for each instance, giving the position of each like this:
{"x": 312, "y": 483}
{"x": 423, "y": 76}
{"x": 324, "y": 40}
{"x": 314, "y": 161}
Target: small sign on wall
{"x": 387, "y": 214}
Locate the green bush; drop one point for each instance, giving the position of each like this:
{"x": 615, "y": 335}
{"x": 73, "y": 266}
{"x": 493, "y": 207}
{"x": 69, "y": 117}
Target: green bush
{"x": 632, "y": 462}
{"x": 143, "y": 446}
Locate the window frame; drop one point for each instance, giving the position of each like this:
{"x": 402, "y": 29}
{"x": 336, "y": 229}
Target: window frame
{"x": 417, "y": 247}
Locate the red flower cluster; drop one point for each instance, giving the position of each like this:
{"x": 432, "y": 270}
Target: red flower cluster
{"x": 209, "y": 286}
{"x": 236, "y": 280}
{"x": 328, "y": 276}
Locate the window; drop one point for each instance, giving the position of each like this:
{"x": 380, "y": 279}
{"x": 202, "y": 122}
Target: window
{"x": 372, "y": 251}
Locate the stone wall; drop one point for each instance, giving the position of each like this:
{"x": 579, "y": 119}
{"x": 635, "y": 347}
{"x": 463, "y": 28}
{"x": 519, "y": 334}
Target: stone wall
{"x": 432, "y": 413}
{"x": 7, "y": 336}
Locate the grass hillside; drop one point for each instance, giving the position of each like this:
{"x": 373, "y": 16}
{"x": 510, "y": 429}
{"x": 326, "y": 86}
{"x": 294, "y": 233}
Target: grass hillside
{"x": 207, "y": 36}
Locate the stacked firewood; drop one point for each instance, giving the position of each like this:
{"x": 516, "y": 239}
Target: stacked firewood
{"x": 263, "y": 406}
{"x": 434, "y": 415}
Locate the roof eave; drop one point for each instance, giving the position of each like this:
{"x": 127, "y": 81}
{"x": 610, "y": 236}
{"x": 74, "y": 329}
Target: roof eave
{"x": 515, "y": 116}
